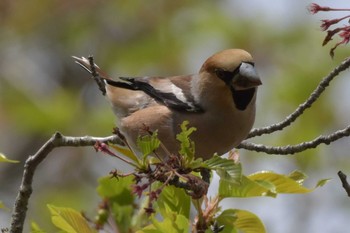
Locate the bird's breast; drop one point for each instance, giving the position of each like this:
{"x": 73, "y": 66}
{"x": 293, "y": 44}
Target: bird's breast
{"x": 219, "y": 132}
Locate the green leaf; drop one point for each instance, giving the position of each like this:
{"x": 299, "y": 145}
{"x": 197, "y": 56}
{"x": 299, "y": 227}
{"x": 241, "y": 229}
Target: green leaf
{"x": 246, "y": 188}
{"x": 187, "y": 146}
{"x": 322, "y": 182}
{"x": 174, "y": 223}
{"x": 118, "y": 188}
{"x": 69, "y": 220}
{"x": 227, "y": 219}
{"x": 266, "y": 183}
{"x": 247, "y": 222}
{"x": 174, "y": 199}
{"x": 123, "y": 216}
{"x": 148, "y": 143}
{"x": 125, "y": 151}
{"x": 227, "y": 169}
{"x": 298, "y": 176}
{"x": 4, "y": 207}
{"x": 34, "y": 228}
{"x": 149, "y": 229}
{"x": 195, "y": 163}
{"x": 283, "y": 183}
{"x": 177, "y": 224}
{"x": 3, "y": 159}
{"x": 118, "y": 191}
{"x": 242, "y": 220}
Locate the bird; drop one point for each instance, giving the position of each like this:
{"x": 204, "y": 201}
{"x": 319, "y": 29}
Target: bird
{"x": 219, "y": 101}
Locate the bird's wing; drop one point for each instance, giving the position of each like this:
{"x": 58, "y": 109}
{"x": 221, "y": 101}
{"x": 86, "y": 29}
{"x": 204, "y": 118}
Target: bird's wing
{"x": 173, "y": 92}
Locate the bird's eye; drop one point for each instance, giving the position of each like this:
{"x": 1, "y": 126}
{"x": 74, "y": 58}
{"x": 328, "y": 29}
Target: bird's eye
{"x": 224, "y": 75}
{"x": 250, "y": 62}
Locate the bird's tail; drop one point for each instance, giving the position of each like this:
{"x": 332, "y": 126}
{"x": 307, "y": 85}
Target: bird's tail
{"x": 85, "y": 64}
{"x": 122, "y": 82}
{"x": 102, "y": 78}
{"x": 98, "y": 75}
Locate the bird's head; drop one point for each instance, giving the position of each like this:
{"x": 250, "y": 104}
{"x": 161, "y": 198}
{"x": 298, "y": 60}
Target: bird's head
{"x": 235, "y": 67}
{"x": 230, "y": 72}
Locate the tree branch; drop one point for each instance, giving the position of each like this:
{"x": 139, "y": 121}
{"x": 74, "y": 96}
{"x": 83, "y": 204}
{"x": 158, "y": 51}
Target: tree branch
{"x": 302, "y": 107}
{"x": 57, "y": 140}
{"x": 292, "y": 149}
{"x": 344, "y": 182}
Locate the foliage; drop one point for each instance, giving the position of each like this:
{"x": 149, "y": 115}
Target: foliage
{"x": 34, "y": 228}
{"x": 3, "y": 159}
{"x": 2, "y": 205}
{"x": 69, "y": 220}
{"x": 128, "y": 39}
{"x": 146, "y": 202}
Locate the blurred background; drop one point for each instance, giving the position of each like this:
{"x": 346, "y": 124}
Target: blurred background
{"x": 43, "y": 91}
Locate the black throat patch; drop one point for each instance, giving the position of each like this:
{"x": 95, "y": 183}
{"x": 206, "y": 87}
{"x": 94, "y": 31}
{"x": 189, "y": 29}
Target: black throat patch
{"x": 242, "y": 98}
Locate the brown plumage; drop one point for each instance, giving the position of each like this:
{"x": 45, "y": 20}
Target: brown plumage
{"x": 219, "y": 101}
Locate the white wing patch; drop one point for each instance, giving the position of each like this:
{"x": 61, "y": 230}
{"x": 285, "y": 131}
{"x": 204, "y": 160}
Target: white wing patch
{"x": 160, "y": 90}
{"x": 168, "y": 87}
{"x": 178, "y": 93}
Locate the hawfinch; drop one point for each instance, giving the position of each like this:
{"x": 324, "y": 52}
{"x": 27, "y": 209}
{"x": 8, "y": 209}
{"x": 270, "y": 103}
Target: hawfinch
{"x": 219, "y": 101}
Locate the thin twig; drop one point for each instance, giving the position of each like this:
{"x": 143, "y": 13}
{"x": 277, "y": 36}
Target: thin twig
{"x": 344, "y": 182}
{"x": 103, "y": 147}
{"x": 302, "y": 107}
{"x": 57, "y": 140}
{"x": 292, "y": 149}
{"x": 96, "y": 75}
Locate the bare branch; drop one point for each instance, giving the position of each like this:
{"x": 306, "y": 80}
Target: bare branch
{"x": 344, "y": 182}
{"x": 302, "y": 107}
{"x": 57, "y": 140}
{"x": 292, "y": 149}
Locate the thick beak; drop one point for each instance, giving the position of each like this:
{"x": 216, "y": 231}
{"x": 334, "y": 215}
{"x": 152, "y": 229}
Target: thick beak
{"x": 247, "y": 77}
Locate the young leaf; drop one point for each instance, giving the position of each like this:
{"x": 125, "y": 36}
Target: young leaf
{"x": 322, "y": 182}
{"x": 246, "y": 188}
{"x": 123, "y": 216}
{"x": 227, "y": 219}
{"x": 125, "y": 151}
{"x": 112, "y": 188}
{"x": 69, "y": 220}
{"x": 174, "y": 199}
{"x": 176, "y": 223}
{"x": 120, "y": 198}
{"x": 195, "y": 163}
{"x": 247, "y": 222}
{"x": 227, "y": 169}
{"x": 34, "y": 228}
{"x": 235, "y": 220}
{"x": 148, "y": 143}
{"x": 266, "y": 183}
{"x": 149, "y": 229}
{"x": 283, "y": 183}
{"x": 298, "y": 176}
{"x": 3, "y": 159}
{"x": 187, "y": 147}
{"x": 4, "y": 207}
